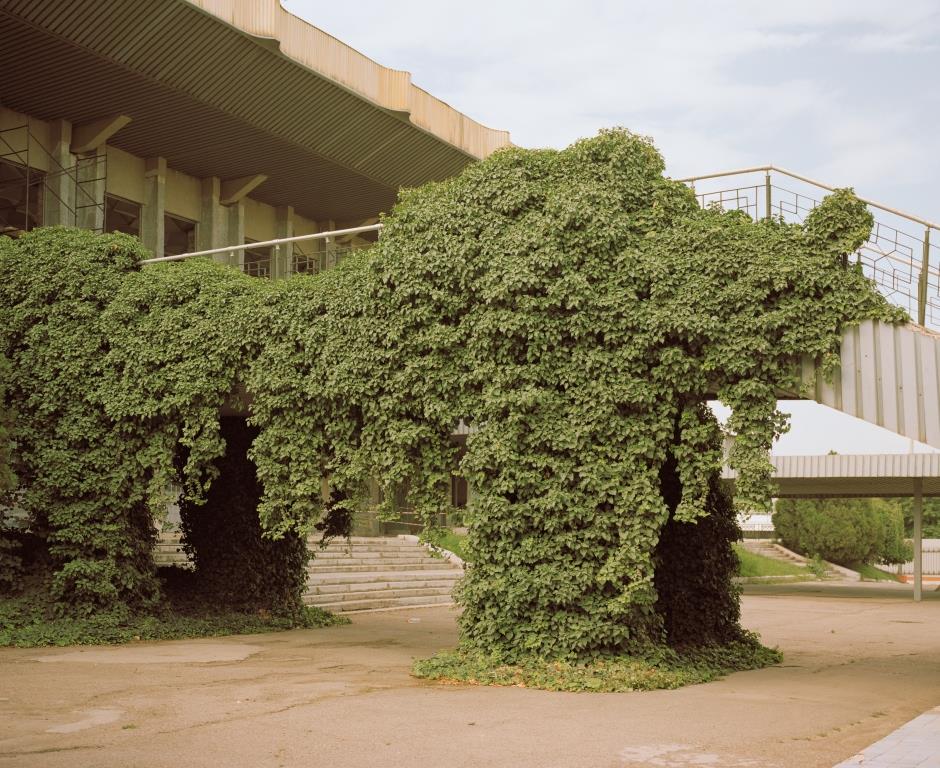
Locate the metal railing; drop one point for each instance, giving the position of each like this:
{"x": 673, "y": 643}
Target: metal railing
{"x": 300, "y": 261}
{"x": 898, "y": 256}
{"x": 902, "y": 264}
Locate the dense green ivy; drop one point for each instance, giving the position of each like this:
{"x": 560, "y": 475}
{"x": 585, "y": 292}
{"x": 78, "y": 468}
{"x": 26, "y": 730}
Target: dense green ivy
{"x": 11, "y": 563}
{"x": 79, "y": 477}
{"x": 574, "y": 308}
{"x": 577, "y": 308}
{"x": 7, "y": 478}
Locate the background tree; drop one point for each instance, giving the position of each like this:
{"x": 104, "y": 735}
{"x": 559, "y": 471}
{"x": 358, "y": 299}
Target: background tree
{"x": 844, "y": 531}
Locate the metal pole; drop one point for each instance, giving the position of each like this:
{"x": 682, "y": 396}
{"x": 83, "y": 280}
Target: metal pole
{"x": 918, "y": 540}
{"x": 768, "y": 197}
{"x": 922, "y": 281}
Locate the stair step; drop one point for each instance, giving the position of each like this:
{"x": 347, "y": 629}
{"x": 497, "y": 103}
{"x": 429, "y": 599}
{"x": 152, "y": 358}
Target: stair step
{"x": 372, "y": 586}
{"x": 329, "y": 599}
{"x": 367, "y": 554}
{"x": 377, "y": 563}
{"x": 433, "y": 565}
{"x": 366, "y": 543}
{"x": 318, "y": 579}
{"x": 353, "y": 606}
{"x": 369, "y": 548}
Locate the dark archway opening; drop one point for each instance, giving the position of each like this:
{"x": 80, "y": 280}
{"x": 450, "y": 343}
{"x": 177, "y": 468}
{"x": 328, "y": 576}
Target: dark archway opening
{"x": 236, "y": 567}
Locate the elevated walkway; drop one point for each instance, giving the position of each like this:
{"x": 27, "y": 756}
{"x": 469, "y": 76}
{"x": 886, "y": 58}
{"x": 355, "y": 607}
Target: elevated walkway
{"x": 888, "y": 376}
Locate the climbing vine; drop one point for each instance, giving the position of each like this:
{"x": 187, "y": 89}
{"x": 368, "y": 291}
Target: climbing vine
{"x": 574, "y": 308}
{"x": 583, "y": 308}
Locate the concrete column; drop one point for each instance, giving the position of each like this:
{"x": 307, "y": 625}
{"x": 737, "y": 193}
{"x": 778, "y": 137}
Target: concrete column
{"x": 91, "y": 172}
{"x": 152, "y": 211}
{"x": 282, "y": 259}
{"x": 59, "y": 200}
{"x": 236, "y": 233}
{"x": 212, "y": 219}
{"x": 918, "y": 513}
{"x": 329, "y": 244}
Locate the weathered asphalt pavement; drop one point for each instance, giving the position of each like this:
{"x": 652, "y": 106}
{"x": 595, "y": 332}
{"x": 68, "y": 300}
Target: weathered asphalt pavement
{"x": 856, "y": 668}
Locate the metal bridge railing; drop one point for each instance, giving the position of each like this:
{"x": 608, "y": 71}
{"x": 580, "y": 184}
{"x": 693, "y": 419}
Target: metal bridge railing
{"x": 899, "y": 256}
{"x": 307, "y": 253}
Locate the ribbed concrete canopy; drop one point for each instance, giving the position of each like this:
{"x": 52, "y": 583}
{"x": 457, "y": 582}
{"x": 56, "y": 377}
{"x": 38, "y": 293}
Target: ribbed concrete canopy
{"x": 211, "y": 86}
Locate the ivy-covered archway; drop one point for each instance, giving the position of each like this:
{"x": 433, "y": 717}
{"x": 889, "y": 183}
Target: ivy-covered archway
{"x": 575, "y": 307}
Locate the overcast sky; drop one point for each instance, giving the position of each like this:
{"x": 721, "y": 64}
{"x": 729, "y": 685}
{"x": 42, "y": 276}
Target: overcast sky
{"x": 846, "y": 92}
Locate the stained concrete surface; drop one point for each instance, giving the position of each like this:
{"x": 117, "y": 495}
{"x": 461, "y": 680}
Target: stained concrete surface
{"x": 855, "y": 669}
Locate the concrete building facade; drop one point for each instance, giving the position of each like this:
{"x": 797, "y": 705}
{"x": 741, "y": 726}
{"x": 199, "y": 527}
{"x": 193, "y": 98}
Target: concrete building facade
{"x": 197, "y": 124}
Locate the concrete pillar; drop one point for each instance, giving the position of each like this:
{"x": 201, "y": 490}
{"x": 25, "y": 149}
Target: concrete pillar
{"x": 329, "y": 244}
{"x": 91, "y": 172}
{"x": 236, "y": 233}
{"x": 59, "y": 200}
{"x": 153, "y": 209}
{"x": 918, "y": 513}
{"x": 213, "y": 221}
{"x": 282, "y": 259}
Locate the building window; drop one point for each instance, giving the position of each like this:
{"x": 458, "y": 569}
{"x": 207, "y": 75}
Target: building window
{"x": 179, "y": 235}
{"x": 257, "y": 261}
{"x": 21, "y": 191}
{"x": 121, "y": 215}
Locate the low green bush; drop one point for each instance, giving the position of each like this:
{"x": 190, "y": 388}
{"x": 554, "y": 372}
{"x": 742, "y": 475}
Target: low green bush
{"x": 843, "y": 531}
{"x": 31, "y": 618}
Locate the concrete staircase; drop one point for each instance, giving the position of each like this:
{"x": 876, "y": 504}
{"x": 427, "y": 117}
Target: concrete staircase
{"x": 369, "y": 574}
{"x": 168, "y": 552}
{"x": 775, "y": 551}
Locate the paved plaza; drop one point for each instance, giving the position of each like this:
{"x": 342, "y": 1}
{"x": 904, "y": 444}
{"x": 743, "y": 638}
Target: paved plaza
{"x": 857, "y": 669}
{"x": 913, "y": 745}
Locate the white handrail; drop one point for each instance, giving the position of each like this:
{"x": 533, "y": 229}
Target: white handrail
{"x": 800, "y": 177}
{"x": 266, "y": 243}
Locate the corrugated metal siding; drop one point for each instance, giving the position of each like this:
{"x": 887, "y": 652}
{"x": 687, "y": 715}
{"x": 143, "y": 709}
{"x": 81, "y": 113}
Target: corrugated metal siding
{"x": 214, "y": 101}
{"x": 888, "y": 376}
{"x": 860, "y": 465}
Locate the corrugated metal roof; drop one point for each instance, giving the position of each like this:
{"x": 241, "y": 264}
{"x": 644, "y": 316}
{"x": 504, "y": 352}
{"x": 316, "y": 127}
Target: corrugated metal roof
{"x": 214, "y": 102}
{"x": 840, "y": 475}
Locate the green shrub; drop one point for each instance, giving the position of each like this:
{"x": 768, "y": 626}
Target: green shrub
{"x": 79, "y": 474}
{"x": 843, "y": 531}
{"x": 703, "y": 609}
{"x": 32, "y": 618}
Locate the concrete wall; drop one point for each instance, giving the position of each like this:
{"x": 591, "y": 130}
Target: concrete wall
{"x": 150, "y": 182}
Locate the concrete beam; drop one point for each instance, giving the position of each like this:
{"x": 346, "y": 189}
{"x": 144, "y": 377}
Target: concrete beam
{"x": 89, "y": 136}
{"x": 234, "y": 190}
